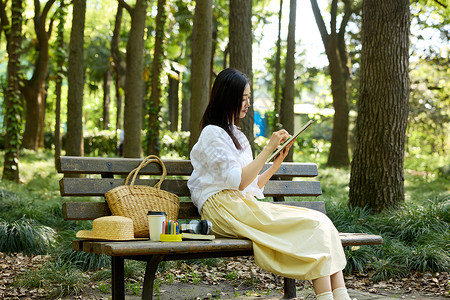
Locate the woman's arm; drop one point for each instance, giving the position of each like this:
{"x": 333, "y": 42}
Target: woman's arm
{"x": 252, "y": 170}
{"x": 264, "y": 177}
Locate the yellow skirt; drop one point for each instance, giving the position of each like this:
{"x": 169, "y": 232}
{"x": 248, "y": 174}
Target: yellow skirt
{"x": 293, "y": 242}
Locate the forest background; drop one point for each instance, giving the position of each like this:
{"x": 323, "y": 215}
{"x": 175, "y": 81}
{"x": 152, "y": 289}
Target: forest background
{"x": 75, "y": 75}
{"x": 143, "y": 72}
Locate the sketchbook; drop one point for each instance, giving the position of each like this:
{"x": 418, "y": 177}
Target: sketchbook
{"x": 276, "y": 152}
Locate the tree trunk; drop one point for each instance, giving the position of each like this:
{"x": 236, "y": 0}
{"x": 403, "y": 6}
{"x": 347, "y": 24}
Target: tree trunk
{"x": 153, "y": 146}
{"x": 118, "y": 68}
{"x": 174, "y": 85}
{"x": 339, "y": 66}
{"x": 13, "y": 106}
{"x": 276, "y": 121}
{"x": 118, "y": 103}
{"x": 57, "y": 134}
{"x": 200, "y": 67}
{"x": 60, "y": 57}
{"x": 376, "y": 179}
{"x": 340, "y": 80}
{"x": 240, "y": 46}
{"x": 106, "y": 98}
{"x": 134, "y": 83}
{"x": 33, "y": 89}
{"x": 75, "y": 75}
{"x": 287, "y": 103}
{"x": 185, "y": 113}
{"x": 215, "y": 31}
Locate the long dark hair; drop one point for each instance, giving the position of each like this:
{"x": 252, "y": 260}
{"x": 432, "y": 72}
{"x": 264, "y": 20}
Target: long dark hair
{"x": 225, "y": 103}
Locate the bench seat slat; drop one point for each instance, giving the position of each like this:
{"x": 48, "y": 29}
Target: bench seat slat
{"x": 99, "y": 186}
{"x": 122, "y": 166}
{"x": 138, "y": 248}
{"x": 93, "y": 210}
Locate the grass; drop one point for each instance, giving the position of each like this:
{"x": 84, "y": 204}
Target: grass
{"x": 26, "y": 236}
{"x": 59, "y": 277}
{"x": 415, "y": 236}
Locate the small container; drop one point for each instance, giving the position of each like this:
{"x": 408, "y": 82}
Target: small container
{"x": 155, "y": 221}
{"x": 170, "y": 237}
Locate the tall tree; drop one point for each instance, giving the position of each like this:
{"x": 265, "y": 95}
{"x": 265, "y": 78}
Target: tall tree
{"x": 376, "y": 179}
{"x": 277, "y": 73}
{"x": 173, "y": 99}
{"x": 33, "y": 89}
{"x": 240, "y": 46}
{"x": 287, "y": 102}
{"x": 12, "y": 101}
{"x": 75, "y": 76}
{"x": 60, "y": 57}
{"x": 155, "y": 95}
{"x": 339, "y": 66}
{"x": 200, "y": 66}
{"x": 118, "y": 64}
{"x": 134, "y": 83}
{"x": 106, "y": 99}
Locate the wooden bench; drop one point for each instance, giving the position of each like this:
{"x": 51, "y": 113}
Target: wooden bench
{"x": 88, "y": 176}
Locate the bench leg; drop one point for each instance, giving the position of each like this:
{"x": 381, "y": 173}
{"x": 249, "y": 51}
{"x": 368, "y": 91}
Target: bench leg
{"x": 289, "y": 288}
{"x": 117, "y": 278}
{"x": 149, "y": 279}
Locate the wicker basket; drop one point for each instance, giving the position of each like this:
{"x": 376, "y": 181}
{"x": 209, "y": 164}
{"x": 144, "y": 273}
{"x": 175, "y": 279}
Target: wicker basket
{"x": 134, "y": 201}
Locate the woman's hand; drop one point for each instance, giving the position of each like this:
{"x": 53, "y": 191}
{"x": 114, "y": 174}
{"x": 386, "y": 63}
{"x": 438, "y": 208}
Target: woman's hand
{"x": 277, "y": 138}
{"x": 282, "y": 155}
{"x": 267, "y": 174}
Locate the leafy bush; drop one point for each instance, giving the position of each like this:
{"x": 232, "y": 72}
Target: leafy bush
{"x": 100, "y": 143}
{"x": 25, "y": 236}
{"x": 429, "y": 257}
{"x": 175, "y": 144}
{"x": 415, "y": 237}
{"x": 95, "y": 143}
{"x": 410, "y": 223}
{"x": 347, "y": 219}
{"x": 358, "y": 258}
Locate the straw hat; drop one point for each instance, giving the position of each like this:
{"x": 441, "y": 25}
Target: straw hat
{"x": 110, "y": 228}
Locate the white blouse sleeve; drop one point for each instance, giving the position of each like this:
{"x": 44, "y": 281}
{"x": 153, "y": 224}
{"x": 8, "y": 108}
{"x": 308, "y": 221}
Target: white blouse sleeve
{"x": 216, "y": 158}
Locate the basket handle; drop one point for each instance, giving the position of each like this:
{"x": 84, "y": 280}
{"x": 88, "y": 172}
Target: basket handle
{"x": 149, "y": 159}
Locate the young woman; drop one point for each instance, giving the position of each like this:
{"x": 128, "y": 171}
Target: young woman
{"x": 293, "y": 242}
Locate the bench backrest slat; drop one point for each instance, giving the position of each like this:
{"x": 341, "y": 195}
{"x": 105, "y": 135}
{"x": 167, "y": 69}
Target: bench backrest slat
{"x": 99, "y": 186}
{"x": 93, "y": 210}
{"x": 94, "y": 176}
{"x": 122, "y": 166}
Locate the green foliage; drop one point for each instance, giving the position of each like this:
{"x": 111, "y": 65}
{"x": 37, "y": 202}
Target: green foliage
{"x": 415, "y": 238}
{"x": 412, "y": 222}
{"x": 26, "y": 236}
{"x": 96, "y": 142}
{"x": 81, "y": 260}
{"x": 358, "y": 258}
{"x": 429, "y": 119}
{"x": 430, "y": 258}
{"x": 101, "y": 143}
{"x": 175, "y": 144}
{"x": 350, "y": 219}
{"x": 57, "y": 276}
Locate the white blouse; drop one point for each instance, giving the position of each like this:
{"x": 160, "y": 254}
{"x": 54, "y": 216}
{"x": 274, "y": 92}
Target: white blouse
{"x": 218, "y": 165}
